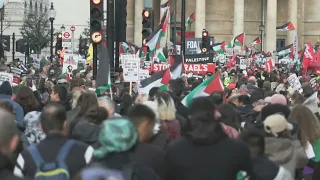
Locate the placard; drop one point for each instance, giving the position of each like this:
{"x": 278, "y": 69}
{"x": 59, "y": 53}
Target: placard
{"x": 6, "y": 77}
{"x": 198, "y": 59}
{"x": 124, "y": 57}
{"x": 131, "y": 68}
{"x": 144, "y": 74}
{"x": 70, "y": 63}
{"x": 295, "y": 83}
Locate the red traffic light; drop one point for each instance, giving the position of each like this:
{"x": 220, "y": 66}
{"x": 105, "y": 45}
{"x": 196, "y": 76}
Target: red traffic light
{"x": 204, "y": 50}
{"x": 204, "y": 33}
{"x": 96, "y": 2}
{"x": 146, "y": 14}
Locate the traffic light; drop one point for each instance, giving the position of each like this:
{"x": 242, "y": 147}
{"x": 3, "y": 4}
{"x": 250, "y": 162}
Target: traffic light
{"x": 20, "y": 46}
{"x": 205, "y": 42}
{"x": 5, "y": 42}
{"x": 96, "y": 17}
{"x": 83, "y": 46}
{"x": 147, "y": 24}
{"x": 59, "y": 44}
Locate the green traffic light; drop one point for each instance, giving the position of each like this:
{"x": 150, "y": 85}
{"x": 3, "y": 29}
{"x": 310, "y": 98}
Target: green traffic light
{"x": 95, "y": 25}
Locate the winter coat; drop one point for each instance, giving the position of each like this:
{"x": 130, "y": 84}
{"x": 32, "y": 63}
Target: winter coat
{"x": 6, "y": 169}
{"x": 286, "y": 152}
{"x": 85, "y": 131}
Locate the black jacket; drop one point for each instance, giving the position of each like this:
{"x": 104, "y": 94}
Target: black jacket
{"x": 264, "y": 168}
{"x": 221, "y": 159}
{"x": 6, "y": 169}
{"x": 79, "y": 156}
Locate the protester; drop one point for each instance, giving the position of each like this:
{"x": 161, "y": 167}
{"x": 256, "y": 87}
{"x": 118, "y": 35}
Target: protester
{"x": 60, "y": 94}
{"x": 36, "y": 161}
{"x": 9, "y": 140}
{"x": 109, "y": 105}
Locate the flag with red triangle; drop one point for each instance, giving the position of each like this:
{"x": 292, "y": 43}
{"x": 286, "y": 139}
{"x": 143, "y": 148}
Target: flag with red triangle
{"x": 237, "y": 41}
{"x": 286, "y": 27}
{"x": 256, "y": 41}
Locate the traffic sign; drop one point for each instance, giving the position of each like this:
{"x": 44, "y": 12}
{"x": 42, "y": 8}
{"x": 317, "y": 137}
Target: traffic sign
{"x": 66, "y": 35}
{"x": 72, "y": 28}
{"x": 96, "y": 37}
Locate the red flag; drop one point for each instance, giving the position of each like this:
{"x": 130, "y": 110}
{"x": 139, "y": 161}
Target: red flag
{"x": 269, "y": 65}
{"x": 308, "y": 56}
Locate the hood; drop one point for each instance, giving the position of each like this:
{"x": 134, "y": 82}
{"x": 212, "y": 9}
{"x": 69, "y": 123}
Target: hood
{"x": 279, "y": 150}
{"x": 66, "y": 104}
{"x": 86, "y": 132}
{"x": 5, "y": 163}
{"x": 6, "y": 89}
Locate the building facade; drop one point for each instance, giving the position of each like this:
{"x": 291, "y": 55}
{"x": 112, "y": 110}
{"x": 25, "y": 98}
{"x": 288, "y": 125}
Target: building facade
{"x": 228, "y": 18}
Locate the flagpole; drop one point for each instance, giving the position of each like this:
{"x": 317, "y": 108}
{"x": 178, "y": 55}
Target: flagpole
{"x": 175, "y": 26}
{"x": 183, "y": 26}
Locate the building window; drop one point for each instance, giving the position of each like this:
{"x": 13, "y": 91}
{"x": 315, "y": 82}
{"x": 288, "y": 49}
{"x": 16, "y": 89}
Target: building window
{"x": 30, "y": 5}
{"x": 281, "y": 43}
{"x": 41, "y": 8}
{"x": 36, "y": 7}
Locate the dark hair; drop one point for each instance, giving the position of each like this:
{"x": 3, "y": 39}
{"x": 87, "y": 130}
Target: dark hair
{"x": 61, "y": 91}
{"x": 88, "y": 106}
{"x": 245, "y": 99}
{"x": 297, "y": 98}
{"x": 217, "y": 97}
{"x": 230, "y": 116}
{"x": 26, "y": 99}
{"x": 177, "y": 86}
{"x": 256, "y": 96}
{"x": 140, "y": 112}
{"x": 102, "y": 115}
{"x": 76, "y": 82}
{"x": 125, "y": 104}
{"x": 255, "y": 140}
{"x": 153, "y": 91}
{"x": 5, "y": 88}
{"x": 53, "y": 117}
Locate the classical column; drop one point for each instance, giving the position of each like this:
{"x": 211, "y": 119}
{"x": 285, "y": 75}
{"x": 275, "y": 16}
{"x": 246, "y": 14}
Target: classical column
{"x": 130, "y": 21}
{"x": 293, "y": 17}
{"x": 200, "y": 22}
{"x": 138, "y": 22}
{"x": 271, "y": 32}
{"x": 238, "y": 20}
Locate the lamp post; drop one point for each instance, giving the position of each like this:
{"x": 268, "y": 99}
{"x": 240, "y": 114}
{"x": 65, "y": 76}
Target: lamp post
{"x": 62, "y": 28}
{"x": 261, "y": 29}
{"x": 52, "y": 16}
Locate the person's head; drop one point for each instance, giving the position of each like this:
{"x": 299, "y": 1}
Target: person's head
{"x": 271, "y": 109}
{"x": 27, "y": 100}
{"x": 166, "y": 106}
{"x": 102, "y": 115}
{"x": 75, "y": 84}
{"x": 217, "y": 97}
{"x": 276, "y": 125}
{"x": 177, "y": 86}
{"x": 203, "y": 121}
{"x": 116, "y": 135}
{"x": 59, "y": 93}
{"x": 153, "y": 91}
{"x": 254, "y": 138}
{"x": 88, "y": 105}
{"x": 5, "y": 88}
{"x": 278, "y": 99}
{"x": 108, "y": 104}
{"x": 243, "y": 100}
{"x": 307, "y": 123}
{"x": 53, "y": 119}
{"x": 230, "y": 116}
{"x": 8, "y": 133}
{"x": 75, "y": 96}
{"x": 144, "y": 120}
{"x": 297, "y": 98}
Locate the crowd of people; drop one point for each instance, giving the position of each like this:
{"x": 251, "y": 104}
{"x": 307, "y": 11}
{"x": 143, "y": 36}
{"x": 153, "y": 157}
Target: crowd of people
{"x": 258, "y": 128}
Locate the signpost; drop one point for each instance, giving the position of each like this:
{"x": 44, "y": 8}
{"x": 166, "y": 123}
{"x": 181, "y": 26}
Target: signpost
{"x": 66, "y": 40}
{"x": 72, "y": 29}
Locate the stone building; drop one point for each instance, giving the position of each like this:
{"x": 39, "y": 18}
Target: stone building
{"x": 226, "y": 18}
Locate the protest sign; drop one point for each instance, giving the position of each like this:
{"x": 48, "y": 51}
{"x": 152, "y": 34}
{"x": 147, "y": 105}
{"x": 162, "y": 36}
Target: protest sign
{"x": 70, "y": 63}
{"x": 295, "y": 83}
{"x": 6, "y": 77}
{"x": 131, "y": 68}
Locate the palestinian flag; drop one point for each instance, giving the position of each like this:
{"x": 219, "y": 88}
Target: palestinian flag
{"x": 256, "y": 41}
{"x": 219, "y": 48}
{"x": 153, "y": 42}
{"x": 285, "y": 51}
{"x": 286, "y": 27}
{"x": 164, "y": 8}
{"x": 161, "y": 79}
{"x": 207, "y": 87}
{"x": 190, "y": 19}
{"x": 237, "y": 41}
{"x": 161, "y": 55}
{"x": 142, "y": 52}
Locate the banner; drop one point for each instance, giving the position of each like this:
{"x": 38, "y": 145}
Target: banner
{"x": 194, "y": 68}
{"x": 198, "y": 59}
{"x": 70, "y": 63}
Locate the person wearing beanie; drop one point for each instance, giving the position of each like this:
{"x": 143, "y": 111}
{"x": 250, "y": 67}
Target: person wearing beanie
{"x": 5, "y": 95}
{"x": 279, "y": 146}
{"x": 278, "y": 99}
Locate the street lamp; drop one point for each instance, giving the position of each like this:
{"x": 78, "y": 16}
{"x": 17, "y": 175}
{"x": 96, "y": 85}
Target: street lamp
{"x": 261, "y": 29}
{"x": 62, "y": 28}
{"x": 51, "y": 16}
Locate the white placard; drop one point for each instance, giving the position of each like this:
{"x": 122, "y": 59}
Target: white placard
{"x": 294, "y": 82}
{"x": 124, "y": 57}
{"x": 6, "y": 77}
{"x": 131, "y": 68}
{"x": 229, "y": 51}
{"x": 144, "y": 74}
{"x": 70, "y": 62}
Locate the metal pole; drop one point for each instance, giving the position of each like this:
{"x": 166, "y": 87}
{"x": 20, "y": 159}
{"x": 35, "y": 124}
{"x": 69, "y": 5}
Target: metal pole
{"x": 72, "y": 36}
{"x": 174, "y": 36}
{"x": 95, "y": 61}
{"x": 51, "y": 43}
{"x": 13, "y": 44}
{"x": 2, "y": 18}
{"x": 110, "y": 29}
{"x": 117, "y": 34}
{"x": 262, "y": 24}
{"x": 183, "y": 27}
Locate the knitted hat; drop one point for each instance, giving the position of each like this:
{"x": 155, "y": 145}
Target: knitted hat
{"x": 275, "y": 124}
{"x": 116, "y": 135}
{"x": 271, "y": 109}
{"x": 278, "y": 99}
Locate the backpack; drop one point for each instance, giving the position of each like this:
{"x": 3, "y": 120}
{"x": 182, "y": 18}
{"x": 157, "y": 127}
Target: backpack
{"x": 57, "y": 170}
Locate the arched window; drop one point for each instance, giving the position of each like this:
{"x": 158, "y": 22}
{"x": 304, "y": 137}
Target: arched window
{"x": 36, "y": 7}
{"x": 41, "y": 8}
{"x": 30, "y": 5}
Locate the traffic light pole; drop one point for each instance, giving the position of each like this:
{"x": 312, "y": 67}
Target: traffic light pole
{"x": 110, "y": 32}
{"x": 183, "y": 27}
{"x": 13, "y": 44}
{"x": 95, "y": 61}
{"x": 117, "y": 34}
